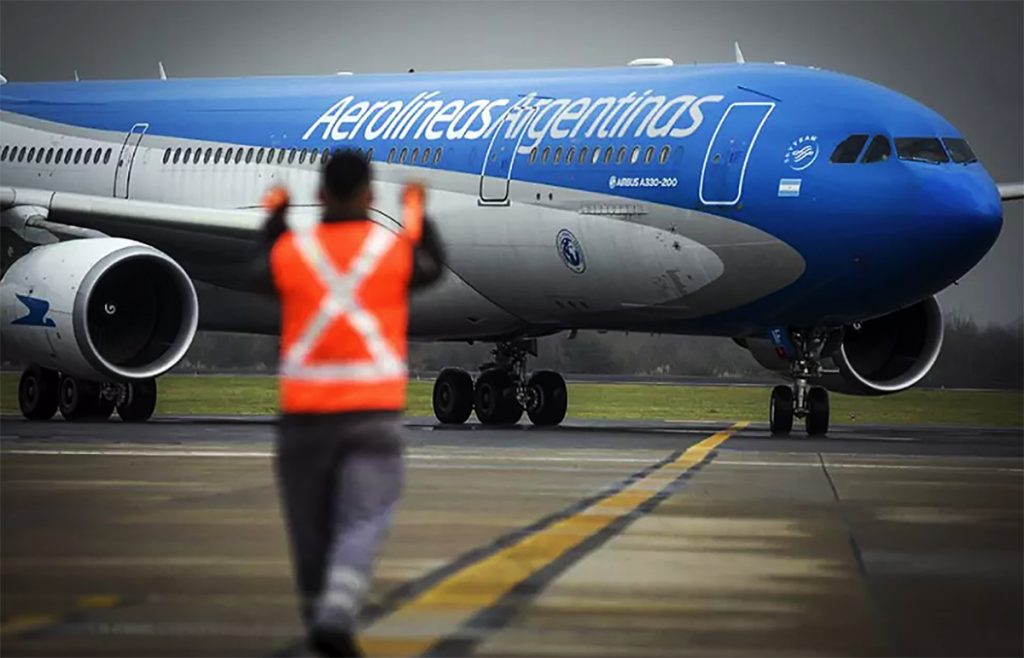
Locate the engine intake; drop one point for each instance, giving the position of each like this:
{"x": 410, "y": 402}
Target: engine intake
{"x": 101, "y": 309}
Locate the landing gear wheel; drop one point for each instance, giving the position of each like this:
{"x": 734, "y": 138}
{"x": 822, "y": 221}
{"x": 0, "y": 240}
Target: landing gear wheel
{"x": 79, "y": 399}
{"x": 495, "y": 398}
{"x": 817, "y": 411}
{"x": 780, "y": 412}
{"x": 453, "y": 396}
{"x": 548, "y": 389}
{"x": 139, "y": 401}
{"x": 37, "y": 393}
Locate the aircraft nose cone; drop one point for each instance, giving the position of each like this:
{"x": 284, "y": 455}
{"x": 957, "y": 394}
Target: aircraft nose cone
{"x": 961, "y": 215}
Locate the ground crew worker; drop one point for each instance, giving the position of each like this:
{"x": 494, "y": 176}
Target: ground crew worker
{"x": 343, "y": 285}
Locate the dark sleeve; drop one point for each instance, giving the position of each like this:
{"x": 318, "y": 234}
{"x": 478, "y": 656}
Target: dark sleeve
{"x": 428, "y": 257}
{"x": 258, "y": 273}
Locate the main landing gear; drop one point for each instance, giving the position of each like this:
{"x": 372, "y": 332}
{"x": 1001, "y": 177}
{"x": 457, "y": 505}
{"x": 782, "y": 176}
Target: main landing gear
{"x": 503, "y": 391}
{"x": 802, "y": 400}
{"x": 41, "y": 392}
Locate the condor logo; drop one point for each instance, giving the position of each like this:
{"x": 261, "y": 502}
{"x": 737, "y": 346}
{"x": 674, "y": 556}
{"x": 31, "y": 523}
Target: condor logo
{"x": 37, "y": 310}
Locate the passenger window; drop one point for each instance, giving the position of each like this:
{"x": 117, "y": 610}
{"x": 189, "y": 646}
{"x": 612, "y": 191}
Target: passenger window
{"x": 558, "y": 155}
{"x": 959, "y": 150}
{"x": 437, "y": 154}
{"x": 32, "y": 152}
{"x": 391, "y": 156}
{"x": 401, "y": 156}
{"x": 188, "y": 156}
{"x": 302, "y": 156}
{"x": 878, "y": 151}
{"x": 415, "y": 155}
{"x": 921, "y": 149}
{"x": 96, "y": 157}
{"x": 665, "y": 152}
{"x": 270, "y": 156}
{"x": 39, "y": 155}
{"x": 291, "y": 156}
{"x": 177, "y": 155}
{"x": 533, "y": 155}
{"x": 597, "y": 155}
{"x": 21, "y": 153}
{"x": 280, "y": 156}
{"x": 207, "y": 155}
{"x": 106, "y": 156}
{"x": 649, "y": 155}
{"x": 634, "y": 157}
{"x": 426, "y": 156}
{"x": 249, "y": 153}
{"x": 621, "y": 156}
{"x": 238, "y": 156}
{"x": 196, "y": 156}
{"x": 3, "y": 155}
{"x": 608, "y": 155}
{"x": 167, "y": 155}
{"x": 369, "y": 154}
{"x": 88, "y": 155}
{"x": 49, "y": 155}
{"x": 67, "y": 155}
{"x": 325, "y": 156}
{"x": 848, "y": 149}
{"x": 227, "y": 155}
{"x": 583, "y": 155}
{"x": 60, "y": 154}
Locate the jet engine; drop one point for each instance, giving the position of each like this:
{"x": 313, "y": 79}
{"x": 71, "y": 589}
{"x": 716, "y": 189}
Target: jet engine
{"x": 101, "y": 309}
{"x": 887, "y": 354}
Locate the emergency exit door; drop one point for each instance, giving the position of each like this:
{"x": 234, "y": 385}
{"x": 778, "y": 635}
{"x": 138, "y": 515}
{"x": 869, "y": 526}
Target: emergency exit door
{"x": 125, "y": 159}
{"x": 725, "y": 163}
{"x": 500, "y": 157}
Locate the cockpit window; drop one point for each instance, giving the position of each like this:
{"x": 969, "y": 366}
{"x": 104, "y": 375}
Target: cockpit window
{"x": 959, "y": 150}
{"x": 849, "y": 149}
{"x": 921, "y": 149}
{"x": 878, "y": 151}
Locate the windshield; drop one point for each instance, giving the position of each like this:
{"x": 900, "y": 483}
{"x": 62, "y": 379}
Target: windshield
{"x": 959, "y": 150}
{"x": 921, "y": 149}
{"x": 849, "y": 149}
{"x": 879, "y": 150}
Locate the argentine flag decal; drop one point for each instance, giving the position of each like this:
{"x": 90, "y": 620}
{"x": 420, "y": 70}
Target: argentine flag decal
{"x": 789, "y": 187}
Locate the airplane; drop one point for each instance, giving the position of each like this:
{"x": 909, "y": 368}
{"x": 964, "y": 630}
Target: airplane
{"x": 809, "y": 215}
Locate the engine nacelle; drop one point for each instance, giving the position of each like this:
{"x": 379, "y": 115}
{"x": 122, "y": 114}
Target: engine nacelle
{"x": 890, "y": 353}
{"x": 100, "y": 308}
{"x": 884, "y": 355}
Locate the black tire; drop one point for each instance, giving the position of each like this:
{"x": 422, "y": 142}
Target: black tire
{"x": 552, "y": 398}
{"x": 495, "y": 398}
{"x": 79, "y": 399}
{"x": 817, "y": 411}
{"x": 453, "y": 396}
{"x": 780, "y": 411}
{"x": 38, "y": 393}
{"x": 139, "y": 402}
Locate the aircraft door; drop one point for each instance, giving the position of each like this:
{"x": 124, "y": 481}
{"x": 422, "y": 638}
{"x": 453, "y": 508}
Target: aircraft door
{"x": 123, "y": 170}
{"x": 725, "y": 163}
{"x": 500, "y": 157}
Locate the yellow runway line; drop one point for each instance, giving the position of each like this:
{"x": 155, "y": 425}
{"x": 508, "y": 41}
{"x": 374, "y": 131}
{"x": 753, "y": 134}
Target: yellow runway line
{"x": 437, "y": 613}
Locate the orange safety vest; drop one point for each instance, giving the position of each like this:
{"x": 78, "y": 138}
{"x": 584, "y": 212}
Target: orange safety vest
{"x": 345, "y": 312}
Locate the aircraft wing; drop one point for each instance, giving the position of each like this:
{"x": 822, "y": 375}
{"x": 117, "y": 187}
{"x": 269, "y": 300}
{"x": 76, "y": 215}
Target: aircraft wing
{"x": 1008, "y": 191}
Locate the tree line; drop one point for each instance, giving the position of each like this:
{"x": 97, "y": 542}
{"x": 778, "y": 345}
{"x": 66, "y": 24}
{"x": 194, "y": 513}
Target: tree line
{"x": 973, "y": 355}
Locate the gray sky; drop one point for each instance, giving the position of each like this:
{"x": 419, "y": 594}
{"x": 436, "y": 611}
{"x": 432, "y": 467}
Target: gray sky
{"x": 964, "y": 59}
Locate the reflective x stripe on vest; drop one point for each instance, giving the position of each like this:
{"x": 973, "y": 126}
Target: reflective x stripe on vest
{"x": 340, "y": 301}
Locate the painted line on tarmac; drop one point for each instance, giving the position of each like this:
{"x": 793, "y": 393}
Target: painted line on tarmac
{"x": 481, "y": 591}
{"x": 28, "y": 625}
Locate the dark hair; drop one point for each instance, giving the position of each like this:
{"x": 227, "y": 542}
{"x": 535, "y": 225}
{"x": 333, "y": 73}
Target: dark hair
{"x": 345, "y": 175}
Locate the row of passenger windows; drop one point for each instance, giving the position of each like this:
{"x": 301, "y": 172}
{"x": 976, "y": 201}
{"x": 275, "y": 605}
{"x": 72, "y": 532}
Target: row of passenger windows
{"x": 254, "y": 155}
{"x": 595, "y": 156}
{"x": 414, "y": 155}
{"x": 55, "y": 156}
{"x": 920, "y": 149}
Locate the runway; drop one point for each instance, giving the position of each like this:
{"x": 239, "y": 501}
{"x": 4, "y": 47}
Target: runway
{"x": 593, "y": 539}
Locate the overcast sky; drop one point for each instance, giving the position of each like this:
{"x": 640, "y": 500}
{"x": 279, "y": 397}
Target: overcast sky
{"x": 964, "y": 59}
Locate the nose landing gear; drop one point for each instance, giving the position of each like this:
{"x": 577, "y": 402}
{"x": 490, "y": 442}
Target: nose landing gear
{"x": 811, "y": 403}
{"x": 503, "y": 391}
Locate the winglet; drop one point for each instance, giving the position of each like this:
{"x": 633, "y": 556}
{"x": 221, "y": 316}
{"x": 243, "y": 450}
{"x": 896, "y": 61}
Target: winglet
{"x": 163, "y": 73}
{"x": 1009, "y": 191}
{"x": 77, "y": 79}
{"x": 739, "y": 53}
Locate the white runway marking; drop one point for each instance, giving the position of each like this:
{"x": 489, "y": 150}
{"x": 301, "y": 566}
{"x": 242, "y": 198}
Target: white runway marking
{"x": 577, "y": 458}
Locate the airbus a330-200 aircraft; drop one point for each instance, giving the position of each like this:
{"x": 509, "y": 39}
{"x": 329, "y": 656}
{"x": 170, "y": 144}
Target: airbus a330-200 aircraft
{"x": 809, "y": 215}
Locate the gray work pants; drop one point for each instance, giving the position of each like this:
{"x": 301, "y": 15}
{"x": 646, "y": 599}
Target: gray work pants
{"x": 340, "y": 477}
